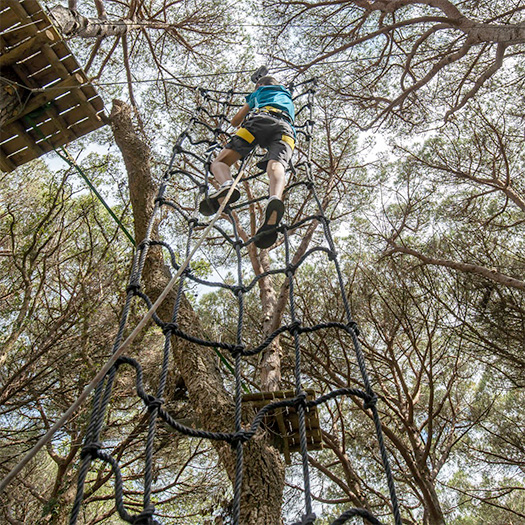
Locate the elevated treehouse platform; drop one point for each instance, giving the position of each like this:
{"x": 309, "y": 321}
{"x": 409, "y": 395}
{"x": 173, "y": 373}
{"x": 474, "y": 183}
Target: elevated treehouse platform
{"x": 283, "y": 423}
{"x": 55, "y": 103}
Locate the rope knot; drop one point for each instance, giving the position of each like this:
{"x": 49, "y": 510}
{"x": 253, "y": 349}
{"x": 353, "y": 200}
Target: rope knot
{"x": 170, "y": 328}
{"x": 144, "y": 243}
{"x": 237, "y": 244}
{"x": 370, "y": 401}
{"x": 352, "y": 325}
{"x": 91, "y": 449}
{"x": 134, "y": 287}
{"x": 310, "y": 185}
{"x": 145, "y": 517}
{"x": 160, "y": 200}
{"x": 239, "y": 437}
{"x": 290, "y": 271}
{"x": 238, "y": 290}
{"x": 237, "y": 350}
{"x": 153, "y": 403}
{"x": 300, "y": 400}
{"x": 193, "y": 222}
{"x": 294, "y": 328}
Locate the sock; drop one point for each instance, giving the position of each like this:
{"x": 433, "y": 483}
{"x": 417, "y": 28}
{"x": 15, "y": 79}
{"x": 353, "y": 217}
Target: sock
{"x": 227, "y": 183}
{"x": 273, "y": 197}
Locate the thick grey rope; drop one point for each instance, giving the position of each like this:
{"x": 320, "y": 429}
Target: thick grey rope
{"x": 237, "y": 439}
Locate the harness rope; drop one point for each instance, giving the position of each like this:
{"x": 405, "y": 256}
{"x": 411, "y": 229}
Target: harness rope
{"x": 154, "y": 403}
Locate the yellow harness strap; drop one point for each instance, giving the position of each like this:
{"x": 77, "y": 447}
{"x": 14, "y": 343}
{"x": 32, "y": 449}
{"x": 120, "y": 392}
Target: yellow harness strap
{"x": 248, "y": 137}
{"x": 271, "y": 108}
{"x": 245, "y": 134}
{"x": 289, "y": 140}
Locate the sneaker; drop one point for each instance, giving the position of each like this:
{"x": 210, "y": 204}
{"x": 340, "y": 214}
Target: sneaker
{"x": 210, "y": 205}
{"x": 267, "y": 234}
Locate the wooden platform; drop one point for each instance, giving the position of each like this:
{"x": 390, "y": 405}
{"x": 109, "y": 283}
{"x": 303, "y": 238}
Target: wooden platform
{"x": 283, "y": 423}
{"x": 64, "y": 106}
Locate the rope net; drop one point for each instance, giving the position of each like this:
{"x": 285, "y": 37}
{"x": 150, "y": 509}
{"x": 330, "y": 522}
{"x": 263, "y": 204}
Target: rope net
{"x": 192, "y": 155}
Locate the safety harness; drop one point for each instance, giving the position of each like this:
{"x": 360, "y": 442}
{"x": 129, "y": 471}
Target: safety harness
{"x": 274, "y": 112}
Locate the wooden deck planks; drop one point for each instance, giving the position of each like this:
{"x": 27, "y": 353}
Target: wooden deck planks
{"x": 283, "y": 423}
{"x": 57, "y": 97}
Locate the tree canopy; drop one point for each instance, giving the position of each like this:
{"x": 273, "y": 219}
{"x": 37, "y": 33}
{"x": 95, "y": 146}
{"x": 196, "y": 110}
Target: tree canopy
{"x": 418, "y": 160}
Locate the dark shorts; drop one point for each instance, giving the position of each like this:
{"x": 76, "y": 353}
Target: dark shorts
{"x": 273, "y": 133}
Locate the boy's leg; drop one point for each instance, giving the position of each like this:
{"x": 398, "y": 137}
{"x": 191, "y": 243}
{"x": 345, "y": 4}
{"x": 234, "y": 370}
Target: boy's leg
{"x": 220, "y": 167}
{"x": 267, "y": 234}
{"x": 276, "y": 174}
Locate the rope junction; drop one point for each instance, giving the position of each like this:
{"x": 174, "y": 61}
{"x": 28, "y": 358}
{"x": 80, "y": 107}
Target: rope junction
{"x": 202, "y": 151}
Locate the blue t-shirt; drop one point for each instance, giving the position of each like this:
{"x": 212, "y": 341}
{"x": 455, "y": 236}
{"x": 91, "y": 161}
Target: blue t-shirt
{"x": 276, "y": 96}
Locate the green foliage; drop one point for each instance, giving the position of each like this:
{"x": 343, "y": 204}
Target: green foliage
{"x": 416, "y": 228}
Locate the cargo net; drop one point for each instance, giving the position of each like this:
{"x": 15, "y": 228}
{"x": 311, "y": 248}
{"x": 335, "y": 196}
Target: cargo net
{"x": 193, "y": 152}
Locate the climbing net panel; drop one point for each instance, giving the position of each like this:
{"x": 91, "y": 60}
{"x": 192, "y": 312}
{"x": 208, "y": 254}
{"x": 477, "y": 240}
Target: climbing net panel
{"x": 53, "y": 101}
{"x": 290, "y": 415}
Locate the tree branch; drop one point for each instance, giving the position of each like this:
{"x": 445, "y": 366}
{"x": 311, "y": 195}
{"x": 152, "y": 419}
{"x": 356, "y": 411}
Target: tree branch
{"x": 491, "y": 274}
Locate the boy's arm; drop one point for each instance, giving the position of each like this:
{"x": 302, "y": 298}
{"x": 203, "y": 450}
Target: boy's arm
{"x": 239, "y": 116}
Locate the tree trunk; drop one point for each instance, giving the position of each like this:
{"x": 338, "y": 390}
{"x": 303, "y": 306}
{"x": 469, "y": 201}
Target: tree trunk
{"x": 270, "y": 365}
{"x": 434, "y": 514}
{"x": 263, "y": 479}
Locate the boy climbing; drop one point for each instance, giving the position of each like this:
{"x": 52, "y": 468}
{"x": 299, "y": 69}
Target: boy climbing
{"x": 267, "y": 119}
